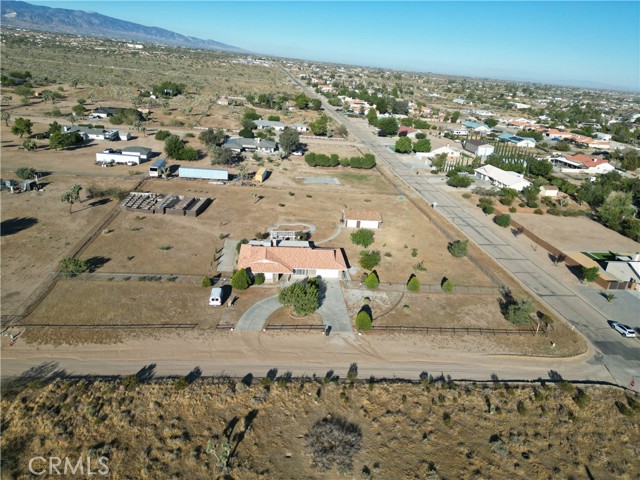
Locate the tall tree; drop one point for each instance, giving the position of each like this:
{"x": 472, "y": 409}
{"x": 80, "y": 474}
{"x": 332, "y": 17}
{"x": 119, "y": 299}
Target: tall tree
{"x": 6, "y": 116}
{"x": 71, "y": 196}
{"x": 422, "y": 145}
{"x": 289, "y": 139}
{"x": 404, "y": 145}
{"x": 617, "y": 208}
{"x": 21, "y": 126}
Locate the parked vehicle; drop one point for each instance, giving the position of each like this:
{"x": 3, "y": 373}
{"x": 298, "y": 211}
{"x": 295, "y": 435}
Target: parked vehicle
{"x": 215, "y": 297}
{"x": 624, "y": 330}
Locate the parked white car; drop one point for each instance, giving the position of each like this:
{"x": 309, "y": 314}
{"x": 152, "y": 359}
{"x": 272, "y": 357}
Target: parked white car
{"x": 624, "y": 330}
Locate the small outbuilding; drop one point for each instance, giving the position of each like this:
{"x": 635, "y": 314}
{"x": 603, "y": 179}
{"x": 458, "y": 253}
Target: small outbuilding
{"x": 155, "y": 167}
{"x": 261, "y": 175}
{"x": 203, "y": 173}
{"x": 549, "y": 191}
{"x": 361, "y": 219}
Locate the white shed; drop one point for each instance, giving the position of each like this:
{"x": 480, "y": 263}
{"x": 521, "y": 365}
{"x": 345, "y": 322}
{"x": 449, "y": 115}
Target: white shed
{"x": 361, "y": 219}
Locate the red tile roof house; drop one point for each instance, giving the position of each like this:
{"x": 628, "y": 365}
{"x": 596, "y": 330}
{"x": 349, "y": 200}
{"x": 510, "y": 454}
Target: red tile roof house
{"x": 274, "y": 262}
{"x": 407, "y": 131}
{"x": 585, "y": 164}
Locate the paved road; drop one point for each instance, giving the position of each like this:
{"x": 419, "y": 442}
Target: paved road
{"x": 621, "y": 356}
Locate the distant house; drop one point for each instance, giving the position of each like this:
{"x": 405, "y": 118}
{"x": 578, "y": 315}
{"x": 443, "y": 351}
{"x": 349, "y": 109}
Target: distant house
{"x": 93, "y": 133}
{"x": 103, "y": 112}
{"x": 462, "y": 132}
{"x": 582, "y": 164}
{"x": 479, "y": 148}
{"x": 606, "y": 137}
{"x": 361, "y": 219}
{"x": 428, "y": 156}
{"x": 274, "y": 262}
{"x": 476, "y": 127}
{"x": 501, "y": 178}
{"x": 407, "y": 131}
{"x": 264, "y": 124}
{"x": 525, "y": 142}
{"x": 300, "y": 127}
{"x": 555, "y": 134}
{"x": 239, "y": 144}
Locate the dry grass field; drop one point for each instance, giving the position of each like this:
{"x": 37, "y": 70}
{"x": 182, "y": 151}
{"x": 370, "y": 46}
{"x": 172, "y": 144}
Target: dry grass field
{"x": 265, "y": 430}
{"x": 124, "y": 303}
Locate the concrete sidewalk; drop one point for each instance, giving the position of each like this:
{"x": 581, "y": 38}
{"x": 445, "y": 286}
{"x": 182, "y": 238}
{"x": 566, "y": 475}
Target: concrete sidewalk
{"x": 227, "y": 260}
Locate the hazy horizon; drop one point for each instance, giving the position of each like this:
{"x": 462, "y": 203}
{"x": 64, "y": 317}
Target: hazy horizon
{"x": 581, "y": 44}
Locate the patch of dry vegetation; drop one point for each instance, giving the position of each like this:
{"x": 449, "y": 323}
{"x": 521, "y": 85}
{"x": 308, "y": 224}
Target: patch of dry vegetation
{"x": 326, "y": 429}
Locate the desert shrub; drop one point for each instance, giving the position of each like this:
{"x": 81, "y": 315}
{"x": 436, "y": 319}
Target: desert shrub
{"x": 488, "y": 209}
{"x": 130, "y": 382}
{"x": 567, "y": 387}
{"x": 413, "y": 285}
{"x": 369, "y": 259}
{"x": 116, "y": 193}
{"x": 363, "y": 321}
{"x": 519, "y": 313}
{"x": 538, "y": 211}
{"x": 448, "y": 286}
{"x": 581, "y": 398}
{"x": 206, "y": 282}
{"x": 503, "y": 220}
{"x": 521, "y": 408}
{"x": 458, "y": 248}
{"x": 466, "y": 195}
{"x": 241, "y": 280}
{"x": 446, "y": 418}
{"x": 363, "y": 237}
{"x": 333, "y": 441}
{"x": 181, "y": 384}
{"x": 459, "y": 181}
{"x": 25, "y": 173}
{"x": 70, "y": 267}
{"x": 162, "y": 134}
{"x": 258, "y": 278}
{"x": 513, "y": 209}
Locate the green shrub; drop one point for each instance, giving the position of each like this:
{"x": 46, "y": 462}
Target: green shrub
{"x": 448, "y": 286}
{"x": 363, "y": 321}
{"x": 488, "y": 209}
{"x": 413, "y": 285}
{"x": 162, "y": 134}
{"x": 538, "y": 211}
{"x": 458, "y": 248}
{"x": 258, "y": 278}
{"x": 26, "y": 173}
{"x": 302, "y": 296}
{"x": 369, "y": 259}
{"x": 363, "y": 237}
{"x": 581, "y": 398}
{"x": 241, "y": 280}
{"x": 513, "y": 209}
{"x": 70, "y": 267}
{"x": 521, "y": 408}
{"x": 503, "y": 220}
{"x": 206, "y": 282}
{"x": 372, "y": 281}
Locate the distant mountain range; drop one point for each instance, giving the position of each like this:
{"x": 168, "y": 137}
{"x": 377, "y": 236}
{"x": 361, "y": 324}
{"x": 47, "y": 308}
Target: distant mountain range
{"x": 77, "y": 22}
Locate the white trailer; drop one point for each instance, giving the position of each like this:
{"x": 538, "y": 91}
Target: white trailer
{"x": 155, "y": 167}
{"x": 110, "y": 158}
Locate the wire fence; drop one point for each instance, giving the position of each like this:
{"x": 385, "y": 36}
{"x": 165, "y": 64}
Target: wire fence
{"x": 110, "y": 325}
{"x": 452, "y": 330}
{"x": 294, "y": 327}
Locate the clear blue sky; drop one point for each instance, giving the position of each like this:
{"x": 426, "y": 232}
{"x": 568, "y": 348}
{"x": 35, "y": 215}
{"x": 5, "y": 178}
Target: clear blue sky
{"x": 594, "y": 44}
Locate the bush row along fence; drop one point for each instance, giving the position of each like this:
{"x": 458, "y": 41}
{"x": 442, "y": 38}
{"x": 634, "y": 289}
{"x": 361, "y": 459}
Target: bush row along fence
{"x": 431, "y": 288}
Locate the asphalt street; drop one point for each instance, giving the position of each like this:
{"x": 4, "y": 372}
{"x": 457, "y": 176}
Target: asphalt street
{"x": 621, "y": 356}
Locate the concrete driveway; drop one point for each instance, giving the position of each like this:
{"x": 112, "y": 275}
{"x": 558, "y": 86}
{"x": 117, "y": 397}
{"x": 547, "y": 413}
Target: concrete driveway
{"x": 333, "y": 311}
